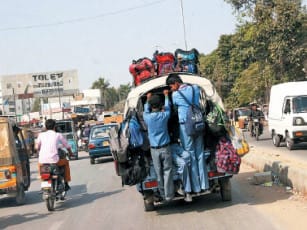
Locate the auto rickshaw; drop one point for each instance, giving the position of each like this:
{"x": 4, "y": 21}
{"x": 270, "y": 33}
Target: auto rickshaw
{"x": 67, "y": 128}
{"x": 14, "y": 161}
{"x": 29, "y": 139}
{"x": 240, "y": 117}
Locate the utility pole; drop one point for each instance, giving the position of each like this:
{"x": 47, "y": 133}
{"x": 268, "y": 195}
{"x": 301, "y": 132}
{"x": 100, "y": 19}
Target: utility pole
{"x": 14, "y": 104}
{"x": 183, "y": 25}
{"x": 60, "y": 100}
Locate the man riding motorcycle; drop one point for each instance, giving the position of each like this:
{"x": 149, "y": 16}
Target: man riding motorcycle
{"x": 256, "y": 114}
{"x": 47, "y": 145}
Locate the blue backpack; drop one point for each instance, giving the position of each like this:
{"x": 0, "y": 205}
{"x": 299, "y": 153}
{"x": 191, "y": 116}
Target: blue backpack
{"x": 195, "y": 122}
{"x": 136, "y": 138}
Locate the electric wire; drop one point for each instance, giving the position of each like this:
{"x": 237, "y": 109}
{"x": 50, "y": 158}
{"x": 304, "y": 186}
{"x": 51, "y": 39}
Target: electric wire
{"x": 82, "y": 19}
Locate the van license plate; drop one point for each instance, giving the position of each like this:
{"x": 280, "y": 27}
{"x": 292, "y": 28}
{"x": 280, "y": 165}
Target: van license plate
{"x": 105, "y": 143}
{"x": 45, "y": 184}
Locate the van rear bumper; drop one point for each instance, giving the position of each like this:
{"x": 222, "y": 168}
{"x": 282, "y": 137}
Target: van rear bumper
{"x": 299, "y": 136}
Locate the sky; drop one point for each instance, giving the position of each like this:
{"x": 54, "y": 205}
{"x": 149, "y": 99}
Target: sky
{"x": 100, "y": 38}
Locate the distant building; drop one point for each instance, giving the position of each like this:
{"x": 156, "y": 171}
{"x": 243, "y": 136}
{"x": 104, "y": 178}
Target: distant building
{"x": 55, "y": 88}
{"x": 88, "y": 102}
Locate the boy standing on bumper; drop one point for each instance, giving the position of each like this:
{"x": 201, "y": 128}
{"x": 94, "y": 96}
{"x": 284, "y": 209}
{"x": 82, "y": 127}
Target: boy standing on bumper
{"x": 156, "y": 121}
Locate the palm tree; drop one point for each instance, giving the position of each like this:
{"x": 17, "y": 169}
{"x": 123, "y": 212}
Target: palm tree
{"x": 123, "y": 91}
{"x": 101, "y": 84}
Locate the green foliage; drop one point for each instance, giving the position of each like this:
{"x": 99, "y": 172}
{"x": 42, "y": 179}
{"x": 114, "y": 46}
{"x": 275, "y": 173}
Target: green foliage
{"x": 269, "y": 47}
{"x": 110, "y": 95}
{"x": 36, "y": 105}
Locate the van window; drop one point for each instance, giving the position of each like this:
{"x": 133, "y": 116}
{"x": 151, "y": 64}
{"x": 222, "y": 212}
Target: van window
{"x": 287, "y": 107}
{"x": 299, "y": 104}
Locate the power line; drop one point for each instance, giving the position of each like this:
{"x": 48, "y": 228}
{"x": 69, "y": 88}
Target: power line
{"x": 82, "y": 19}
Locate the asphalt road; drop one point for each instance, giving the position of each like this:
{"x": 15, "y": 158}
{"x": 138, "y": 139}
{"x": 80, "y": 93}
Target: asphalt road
{"x": 265, "y": 144}
{"x": 98, "y": 201}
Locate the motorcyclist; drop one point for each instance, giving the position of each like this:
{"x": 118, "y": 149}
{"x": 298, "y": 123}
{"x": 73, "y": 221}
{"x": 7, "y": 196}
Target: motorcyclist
{"x": 86, "y": 131}
{"x": 256, "y": 114}
{"x": 48, "y": 143}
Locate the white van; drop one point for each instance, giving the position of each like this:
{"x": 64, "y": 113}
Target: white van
{"x": 288, "y": 113}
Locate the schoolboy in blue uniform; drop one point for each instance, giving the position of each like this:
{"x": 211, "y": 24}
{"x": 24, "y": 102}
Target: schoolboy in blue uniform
{"x": 156, "y": 119}
{"x": 193, "y": 144}
{"x": 181, "y": 161}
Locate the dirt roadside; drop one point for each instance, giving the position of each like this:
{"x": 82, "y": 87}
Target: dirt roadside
{"x": 289, "y": 209}
{"x": 289, "y": 171}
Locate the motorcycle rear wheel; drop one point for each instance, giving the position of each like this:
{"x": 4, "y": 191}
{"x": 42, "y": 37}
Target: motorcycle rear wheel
{"x": 257, "y": 133}
{"x": 50, "y": 203}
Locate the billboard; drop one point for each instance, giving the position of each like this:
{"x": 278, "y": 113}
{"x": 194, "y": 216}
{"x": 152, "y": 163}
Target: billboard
{"x": 42, "y": 85}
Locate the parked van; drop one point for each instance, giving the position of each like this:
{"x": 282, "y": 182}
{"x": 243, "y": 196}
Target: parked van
{"x": 287, "y": 117}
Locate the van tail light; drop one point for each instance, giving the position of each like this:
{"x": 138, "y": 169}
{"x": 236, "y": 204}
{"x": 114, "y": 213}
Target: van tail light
{"x": 151, "y": 184}
{"x": 91, "y": 146}
{"x": 215, "y": 174}
{"x": 299, "y": 134}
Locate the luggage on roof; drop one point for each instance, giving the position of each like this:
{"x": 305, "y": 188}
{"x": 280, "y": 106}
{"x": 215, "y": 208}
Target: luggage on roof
{"x": 186, "y": 61}
{"x": 141, "y": 70}
{"x": 164, "y": 61}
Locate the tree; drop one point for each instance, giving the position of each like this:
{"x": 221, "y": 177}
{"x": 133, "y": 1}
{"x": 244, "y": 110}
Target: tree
{"x": 123, "y": 91}
{"x": 101, "y": 84}
{"x": 36, "y": 105}
{"x": 269, "y": 47}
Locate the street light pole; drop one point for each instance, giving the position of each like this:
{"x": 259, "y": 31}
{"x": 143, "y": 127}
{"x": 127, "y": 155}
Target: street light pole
{"x": 60, "y": 100}
{"x": 14, "y": 105}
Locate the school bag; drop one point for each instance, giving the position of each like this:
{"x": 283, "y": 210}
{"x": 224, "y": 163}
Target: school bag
{"x": 141, "y": 70}
{"x": 227, "y": 159}
{"x": 164, "y": 62}
{"x": 187, "y": 61}
{"x": 136, "y": 138}
{"x": 216, "y": 119}
{"x": 194, "y": 123}
{"x": 119, "y": 142}
{"x": 135, "y": 169}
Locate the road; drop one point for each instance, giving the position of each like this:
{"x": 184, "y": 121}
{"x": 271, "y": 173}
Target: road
{"x": 98, "y": 201}
{"x": 265, "y": 144}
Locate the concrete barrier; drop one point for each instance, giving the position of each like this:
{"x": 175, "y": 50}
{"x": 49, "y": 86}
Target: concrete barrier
{"x": 289, "y": 173}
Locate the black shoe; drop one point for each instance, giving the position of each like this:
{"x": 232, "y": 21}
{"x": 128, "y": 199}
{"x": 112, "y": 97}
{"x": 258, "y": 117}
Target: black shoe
{"x": 67, "y": 187}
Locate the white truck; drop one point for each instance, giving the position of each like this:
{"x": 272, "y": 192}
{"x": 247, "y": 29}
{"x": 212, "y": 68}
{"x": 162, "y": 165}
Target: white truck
{"x": 287, "y": 117}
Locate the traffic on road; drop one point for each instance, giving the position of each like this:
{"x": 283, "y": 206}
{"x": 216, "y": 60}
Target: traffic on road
{"x": 98, "y": 200}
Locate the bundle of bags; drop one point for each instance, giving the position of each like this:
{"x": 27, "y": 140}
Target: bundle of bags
{"x": 145, "y": 68}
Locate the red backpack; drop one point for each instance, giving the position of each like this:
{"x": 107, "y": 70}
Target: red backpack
{"x": 165, "y": 62}
{"x": 227, "y": 159}
{"x": 141, "y": 70}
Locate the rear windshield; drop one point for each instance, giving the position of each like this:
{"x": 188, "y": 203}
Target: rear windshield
{"x": 63, "y": 127}
{"x": 244, "y": 112}
{"x": 101, "y": 131}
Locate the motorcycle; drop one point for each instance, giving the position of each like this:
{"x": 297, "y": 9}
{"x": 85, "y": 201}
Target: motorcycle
{"x": 83, "y": 144}
{"x": 52, "y": 183}
{"x": 255, "y": 130}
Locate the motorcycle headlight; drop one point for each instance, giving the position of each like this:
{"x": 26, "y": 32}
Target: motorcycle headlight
{"x": 298, "y": 121}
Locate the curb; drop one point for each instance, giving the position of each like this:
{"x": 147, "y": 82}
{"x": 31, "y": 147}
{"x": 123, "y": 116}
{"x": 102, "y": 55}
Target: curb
{"x": 289, "y": 173}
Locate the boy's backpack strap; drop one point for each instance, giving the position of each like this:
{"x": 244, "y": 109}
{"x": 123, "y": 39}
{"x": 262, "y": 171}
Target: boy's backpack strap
{"x": 185, "y": 98}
